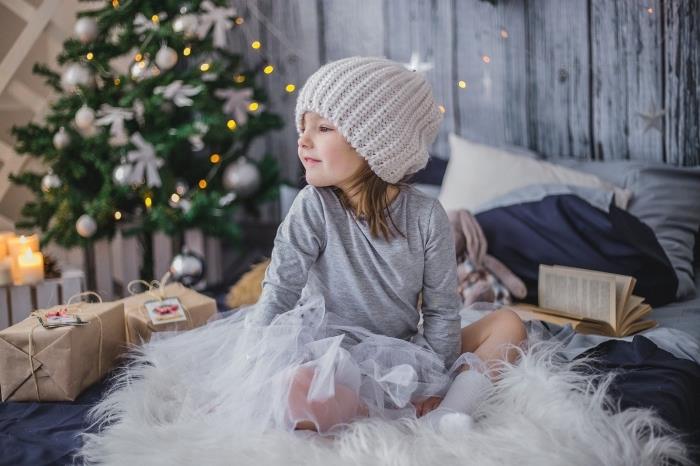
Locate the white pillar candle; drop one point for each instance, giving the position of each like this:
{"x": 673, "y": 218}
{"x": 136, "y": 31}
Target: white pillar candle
{"x": 30, "y": 267}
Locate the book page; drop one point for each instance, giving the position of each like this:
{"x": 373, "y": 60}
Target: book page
{"x": 576, "y": 293}
{"x": 623, "y": 287}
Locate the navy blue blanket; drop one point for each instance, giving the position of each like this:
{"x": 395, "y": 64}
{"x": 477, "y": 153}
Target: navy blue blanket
{"x": 47, "y": 433}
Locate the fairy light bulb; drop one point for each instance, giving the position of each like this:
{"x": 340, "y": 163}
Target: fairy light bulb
{"x": 441, "y": 108}
{"x": 204, "y": 67}
{"x": 290, "y": 87}
{"x": 268, "y": 69}
{"x": 231, "y": 124}
{"x": 117, "y": 215}
{"x": 486, "y": 59}
{"x": 89, "y": 56}
{"x": 148, "y": 201}
{"x": 256, "y": 44}
{"x": 215, "y": 158}
{"x": 239, "y": 78}
{"x": 253, "y": 106}
{"x": 202, "y": 184}
{"x": 462, "y": 84}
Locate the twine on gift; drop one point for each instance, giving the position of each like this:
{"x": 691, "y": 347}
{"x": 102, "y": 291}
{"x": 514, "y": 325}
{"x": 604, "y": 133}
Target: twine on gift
{"x": 155, "y": 288}
{"x": 39, "y": 316}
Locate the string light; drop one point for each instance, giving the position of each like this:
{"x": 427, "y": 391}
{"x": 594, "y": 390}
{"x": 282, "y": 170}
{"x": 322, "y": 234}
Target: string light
{"x": 253, "y": 106}
{"x": 239, "y": 20}
{"x": 148, "y": 201}
{"x": 268, "y": 69}
{"x": 115, "y": 4}
{"x": 89, "y": 56}
{"x": 117, "y": 215}
{"x": 175, "y": 198}
{"x": 186, "y": 51}
{"x": 504, "y": 33}
{"x": 239, "y": 78}
{"x": 462, "y": 84}
{"x": 215, "y": 158}
{"x": 486, "y": 59}
{"x": 256, "y": 44}
{"x": 117, "y": 81}
{"x": 290, "y": 87}
{"x": 138, "y": 57}
{"x": 204, "y": 67}
{"x": 202, "y": 184}
{"x": 442, "y": 109}
{"x": 231, "y": 124}
{"x": 155, "y": 19}
{"x": 650, "y": 10}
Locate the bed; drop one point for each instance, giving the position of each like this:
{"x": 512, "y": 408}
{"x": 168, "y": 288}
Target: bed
{"x": 657, "y": 369}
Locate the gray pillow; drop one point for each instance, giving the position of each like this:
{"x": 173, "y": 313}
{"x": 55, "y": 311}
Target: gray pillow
{"x": 666, "y": 198}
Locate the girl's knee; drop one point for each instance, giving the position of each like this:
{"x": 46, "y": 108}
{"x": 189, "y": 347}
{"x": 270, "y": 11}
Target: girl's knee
{"x": 509, "y": 322}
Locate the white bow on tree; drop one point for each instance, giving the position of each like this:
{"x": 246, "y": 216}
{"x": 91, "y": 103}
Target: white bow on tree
{"x": 114, "y": 117}
{"x": 143, "y": 24}
{"x": 145, "y": 163}
{"x": 178, "y": 92}
{"x": 237, "y": 102}
{"x": 216, "y": 17}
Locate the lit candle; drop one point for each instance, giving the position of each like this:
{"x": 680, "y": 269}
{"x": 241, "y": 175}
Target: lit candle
{"x": 30, "y": 267}
{"x": 18, "y": 244}
{"x": 4, "y": 236}
{"x": 5, "y": 271}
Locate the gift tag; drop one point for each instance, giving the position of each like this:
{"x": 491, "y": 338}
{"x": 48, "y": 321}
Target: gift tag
{"x": 165, "y": 311}
{"x": 60, "y": 319}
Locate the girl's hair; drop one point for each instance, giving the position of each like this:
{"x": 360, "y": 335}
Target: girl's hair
{"x": 372, "y": 200}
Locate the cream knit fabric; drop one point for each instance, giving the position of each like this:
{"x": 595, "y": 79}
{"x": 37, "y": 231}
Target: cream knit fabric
{"x": 385, "y": 111}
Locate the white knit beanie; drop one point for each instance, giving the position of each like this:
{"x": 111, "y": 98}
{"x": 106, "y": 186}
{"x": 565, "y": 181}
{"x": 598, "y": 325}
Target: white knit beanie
{"x": 385, "y": 111}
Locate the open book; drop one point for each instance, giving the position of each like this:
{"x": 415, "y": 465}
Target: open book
{"x": 591, "y": 301}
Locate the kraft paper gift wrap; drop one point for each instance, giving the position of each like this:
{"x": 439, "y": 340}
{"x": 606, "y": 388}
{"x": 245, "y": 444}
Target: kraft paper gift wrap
{"x": 139, "y": 326}
{"x": 57, "y": 364}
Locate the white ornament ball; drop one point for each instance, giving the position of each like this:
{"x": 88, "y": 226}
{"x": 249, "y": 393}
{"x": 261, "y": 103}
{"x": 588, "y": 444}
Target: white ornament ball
{"x": 166, "y": 58}
{"x": 84, "y": 117}
{"x": 76, "y": 75}
{"x": 61, "y": 139}
{"x": 50, "y": 181}
{"x": 86, "y": 29}
{"x": 185, "y": 24}
{"x": 241, "y": 177}
{"x": 86, "y": 226}
{"x": 122, "y": 174}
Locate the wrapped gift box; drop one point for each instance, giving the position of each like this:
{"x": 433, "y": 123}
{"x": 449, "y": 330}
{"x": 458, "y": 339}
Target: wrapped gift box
{"x": 198, "y": 309}
{"x": 57, "y": 364}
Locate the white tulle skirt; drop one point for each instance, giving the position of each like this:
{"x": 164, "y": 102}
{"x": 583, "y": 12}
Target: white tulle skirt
{"x": 255, "y": 378}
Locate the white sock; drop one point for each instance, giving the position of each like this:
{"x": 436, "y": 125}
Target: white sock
{"x": 467, "y": 391}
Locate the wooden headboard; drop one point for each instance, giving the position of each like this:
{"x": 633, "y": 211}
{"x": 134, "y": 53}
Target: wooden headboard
{"x": 594, "y": 79}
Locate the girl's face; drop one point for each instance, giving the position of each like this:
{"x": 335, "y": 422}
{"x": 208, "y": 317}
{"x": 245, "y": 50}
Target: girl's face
{"x": 328, "y": 158}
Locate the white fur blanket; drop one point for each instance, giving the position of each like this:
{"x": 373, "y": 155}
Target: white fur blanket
{"x": 541, "y": 412}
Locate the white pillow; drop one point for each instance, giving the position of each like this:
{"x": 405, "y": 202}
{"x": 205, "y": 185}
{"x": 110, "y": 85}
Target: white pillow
{"x": 477, "y": 173}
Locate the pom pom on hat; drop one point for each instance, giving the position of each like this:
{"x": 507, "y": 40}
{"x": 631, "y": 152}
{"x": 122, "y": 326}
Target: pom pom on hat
{"x": 385, "y": 111}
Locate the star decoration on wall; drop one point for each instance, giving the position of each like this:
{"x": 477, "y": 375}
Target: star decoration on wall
{"x": 416, "y": 65}
{"x": 653, "y": 118}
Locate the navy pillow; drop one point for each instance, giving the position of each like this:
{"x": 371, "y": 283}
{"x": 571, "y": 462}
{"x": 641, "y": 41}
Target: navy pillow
{"x": 565, "y": 229}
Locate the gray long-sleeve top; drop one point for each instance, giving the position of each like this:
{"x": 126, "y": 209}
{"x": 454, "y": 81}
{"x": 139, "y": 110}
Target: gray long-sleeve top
{"x": 320, "y": 247}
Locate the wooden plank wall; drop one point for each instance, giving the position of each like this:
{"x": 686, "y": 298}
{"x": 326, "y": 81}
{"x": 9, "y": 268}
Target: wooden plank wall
{"x": 561, "y": 77}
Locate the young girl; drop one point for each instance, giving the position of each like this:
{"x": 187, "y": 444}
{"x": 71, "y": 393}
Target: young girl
{"x": 336, "y": 333}
{"x": 372, "y": 246}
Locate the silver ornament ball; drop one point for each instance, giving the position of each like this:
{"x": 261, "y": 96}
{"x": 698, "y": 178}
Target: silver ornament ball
{"x": 187, "y": 268}
{"x": 76, "y": 75}
{"x": 166, "y": 58}
{"x": 241, "y": 177}
{"x": 122, "y": 174}
{"x": 61, "y": 139}
{"x": 86, "y": 226}
{"x": 84, "y": 117}
{"x": 86, "y": 29}
{"x": 50, "y": 181}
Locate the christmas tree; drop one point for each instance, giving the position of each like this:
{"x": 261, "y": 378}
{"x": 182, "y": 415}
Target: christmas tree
{"x": 150, "y": 129}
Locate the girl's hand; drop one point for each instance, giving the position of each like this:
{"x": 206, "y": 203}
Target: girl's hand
{"x": 423, "y": 407}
